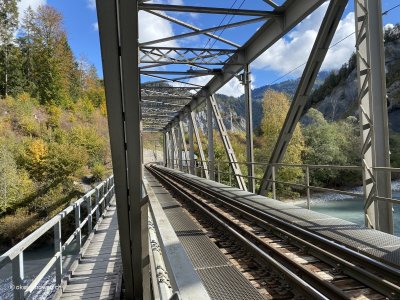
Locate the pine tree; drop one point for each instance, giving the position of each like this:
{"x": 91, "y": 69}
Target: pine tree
{"x": 8, "y": 27}
{"x": 25, "y": 43}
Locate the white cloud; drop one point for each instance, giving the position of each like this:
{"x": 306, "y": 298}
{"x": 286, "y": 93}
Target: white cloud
{"x": 91, "y": 4}
{"x": 232, "y": 88}
{"x": 388, "y": 26}
{"x": 294, "y": 49}
{"x": 95, "y": 26}
{"x": 152, "y": 27}
{"x": 24, "y": 4}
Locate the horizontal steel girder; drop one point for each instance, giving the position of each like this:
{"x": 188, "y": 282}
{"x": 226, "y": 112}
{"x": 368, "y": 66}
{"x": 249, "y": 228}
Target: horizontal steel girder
{"x": 209, "y": 10}
{"x": 192, "y": 27}
{"x": 195, "y": 72}
{"x": 205, "y": 31}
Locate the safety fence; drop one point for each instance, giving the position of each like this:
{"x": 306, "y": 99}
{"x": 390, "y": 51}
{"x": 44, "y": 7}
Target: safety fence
{"x": 91, "y": 206}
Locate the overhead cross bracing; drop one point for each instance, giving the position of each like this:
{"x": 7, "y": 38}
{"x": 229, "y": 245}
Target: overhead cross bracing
{"x": 175, "y": 68}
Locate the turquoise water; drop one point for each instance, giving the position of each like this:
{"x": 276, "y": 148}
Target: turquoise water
{"x": 349, "y": 208}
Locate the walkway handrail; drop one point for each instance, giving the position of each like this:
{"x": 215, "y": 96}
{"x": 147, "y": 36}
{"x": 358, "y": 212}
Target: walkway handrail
{"x": 103, "y": 193}
{"x": 306, "y": 167}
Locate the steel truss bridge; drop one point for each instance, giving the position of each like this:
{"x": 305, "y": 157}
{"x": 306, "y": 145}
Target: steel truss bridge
{"x": 153, "y": 87}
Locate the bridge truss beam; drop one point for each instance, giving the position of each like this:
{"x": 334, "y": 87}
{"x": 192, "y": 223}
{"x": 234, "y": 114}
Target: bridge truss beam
{"x": 315, "y": 60}
{"x": 199, "y": 145}
{"x": 227, "y": 144}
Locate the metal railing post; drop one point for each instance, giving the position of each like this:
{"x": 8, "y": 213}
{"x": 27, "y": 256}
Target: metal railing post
{"x": 58, "y": 250}
{"x": 308, "y": 186}
{"x": 107, "y": 193}
{"x": 89, "y": 210}
{"x": 78, "y": 225}
{"x": 230, "y": 174}
{"x": 219, "y": 177}
{"x": 103, "y": 193}
{"x": 97, "y": 195}
{"x": 18, "y": 276}
{"x": 273, "y": 183}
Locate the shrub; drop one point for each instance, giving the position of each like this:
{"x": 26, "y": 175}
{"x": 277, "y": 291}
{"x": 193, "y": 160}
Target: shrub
{"x": 14, "y": 227}
{"x": 98, "y": 171}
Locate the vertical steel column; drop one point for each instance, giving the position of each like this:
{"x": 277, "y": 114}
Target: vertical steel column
{"x": 210, "y": 136}
{"x": 180, "y": 148}
{"x": 373, "y": 114}
{"x": 246, "y": 81}
{"x": 227, "y": 144}
{"x": 129, "y": 47}
{"x": 176, "y": 148}
{"x": 118, "y": 26}
{"x": 191, "y": 147}
{"x": 165, "y": 159}
{"x": 171, "y": 149}
{"x": 197, "y": 135}
{"x": 167, "y": 148}
{"x": 183, "y": 140}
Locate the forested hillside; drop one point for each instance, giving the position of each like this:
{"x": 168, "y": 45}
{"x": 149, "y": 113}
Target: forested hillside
{"x": 53, "y": 125}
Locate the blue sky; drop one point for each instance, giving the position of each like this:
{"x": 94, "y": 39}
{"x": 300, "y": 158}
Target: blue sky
{"x": 80, "y": 22}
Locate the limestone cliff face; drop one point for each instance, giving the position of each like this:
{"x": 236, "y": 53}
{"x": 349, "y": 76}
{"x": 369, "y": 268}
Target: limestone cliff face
{"x": 341, "y": 102}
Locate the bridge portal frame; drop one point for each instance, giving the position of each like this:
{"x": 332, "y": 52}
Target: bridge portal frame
{"x": 118, "y": 24}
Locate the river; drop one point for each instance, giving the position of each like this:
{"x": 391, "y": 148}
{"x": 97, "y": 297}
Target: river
{"x": 350, "y": 208}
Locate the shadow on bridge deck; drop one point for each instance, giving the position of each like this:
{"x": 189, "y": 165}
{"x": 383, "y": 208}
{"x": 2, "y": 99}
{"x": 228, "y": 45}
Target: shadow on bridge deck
{"x": 98, "y": 274}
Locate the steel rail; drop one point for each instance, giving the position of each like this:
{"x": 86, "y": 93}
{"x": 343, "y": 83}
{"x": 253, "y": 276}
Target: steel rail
{"x": 287, "y": 273}
{"x": 388, "y": 280}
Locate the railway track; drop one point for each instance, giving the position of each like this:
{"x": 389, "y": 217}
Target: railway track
{"x": 280, "y": 258}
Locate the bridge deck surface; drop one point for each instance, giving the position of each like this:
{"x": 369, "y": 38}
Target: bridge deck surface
{"x": 220, "y": 277}
{"x": 99, "y": 270}
{"x": 377, "y": 244}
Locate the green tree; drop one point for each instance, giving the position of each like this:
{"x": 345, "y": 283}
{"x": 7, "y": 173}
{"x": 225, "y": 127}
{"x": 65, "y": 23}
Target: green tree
{"x": 25, "y": 42}
{"x": 53, "y": 61}
{"x": 14, "y": 183}
{"x": 331, "y": 143}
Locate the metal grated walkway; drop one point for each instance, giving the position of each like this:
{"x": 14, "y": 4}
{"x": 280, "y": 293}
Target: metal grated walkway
{"x": 98, "y": 273}
{"x": 221, "y": 279}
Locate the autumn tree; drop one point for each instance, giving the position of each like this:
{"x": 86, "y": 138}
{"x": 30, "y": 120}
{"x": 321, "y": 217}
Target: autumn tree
{"x": 275, "y": 107}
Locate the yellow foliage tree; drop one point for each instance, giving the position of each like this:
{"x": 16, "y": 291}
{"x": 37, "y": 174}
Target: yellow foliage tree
{"x": 276, "y": 106}
{"x": 34, "y": 158}
{"x": 37, "y": 150}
